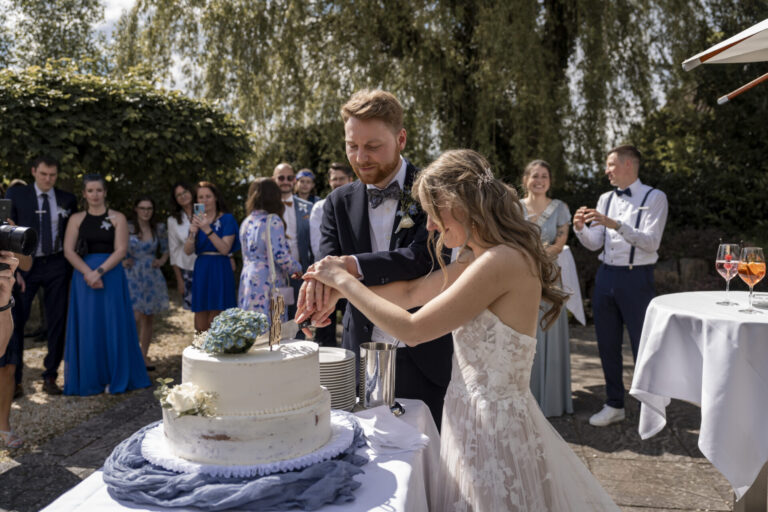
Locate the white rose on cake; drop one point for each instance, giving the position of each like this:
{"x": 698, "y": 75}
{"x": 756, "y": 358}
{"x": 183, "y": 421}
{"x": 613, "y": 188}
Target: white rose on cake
{"x": 184, "y": 397}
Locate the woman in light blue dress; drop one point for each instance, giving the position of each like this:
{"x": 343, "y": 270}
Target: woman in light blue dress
{"x": 551, "y": 372}
{"x": 149, "y": 292}
{"x": 265, "y": 218}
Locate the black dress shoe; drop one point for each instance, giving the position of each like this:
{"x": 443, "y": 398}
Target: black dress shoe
{"x": 50, "y": 387}
{"x": 18, "y": 392}
{"x": 151, "y": 368}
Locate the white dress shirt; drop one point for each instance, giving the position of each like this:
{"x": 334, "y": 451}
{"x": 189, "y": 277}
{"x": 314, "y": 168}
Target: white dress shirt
{"x": 315, "y": 219}
{"x": 177, "y": 235}
{"x": 617, "y": 243}
{"x": 289, "y": 216}
{"x": 382, "y": 221}
{"x": 54, "y": 219}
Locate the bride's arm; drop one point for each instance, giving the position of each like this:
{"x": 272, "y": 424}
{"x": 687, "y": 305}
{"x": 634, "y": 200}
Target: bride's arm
{"x": 474, "y": 290}
{"x": 419, "y": 291}
{"x": 406, "y": 294}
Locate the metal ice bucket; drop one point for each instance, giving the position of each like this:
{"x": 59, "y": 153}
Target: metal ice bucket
{"x": 377, "y": 374}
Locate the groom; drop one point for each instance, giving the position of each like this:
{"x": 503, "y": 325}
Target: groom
{"x": 379, "y": 227}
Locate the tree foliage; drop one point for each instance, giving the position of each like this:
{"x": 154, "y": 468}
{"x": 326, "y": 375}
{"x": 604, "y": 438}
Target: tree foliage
{"x": 515, "y": 80}
{"x": 140, "y": 138}
{"x": 56, "y": 29}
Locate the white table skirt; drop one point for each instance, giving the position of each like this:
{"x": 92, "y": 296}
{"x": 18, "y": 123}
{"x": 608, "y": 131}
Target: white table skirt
{"x": 404, "y": 482}
{"x": 713, "y": 356}
{"x": 571, "y": 285}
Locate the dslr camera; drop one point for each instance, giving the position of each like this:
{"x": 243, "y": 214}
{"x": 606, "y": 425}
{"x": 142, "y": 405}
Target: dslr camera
{"x": 15, "y": 238}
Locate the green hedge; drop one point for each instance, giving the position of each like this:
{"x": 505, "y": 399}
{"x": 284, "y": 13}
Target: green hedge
{"x": 141, "y": 138}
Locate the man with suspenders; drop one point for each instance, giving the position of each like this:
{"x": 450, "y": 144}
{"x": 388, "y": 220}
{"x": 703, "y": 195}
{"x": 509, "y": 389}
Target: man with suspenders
{"x": 627, "y": 224}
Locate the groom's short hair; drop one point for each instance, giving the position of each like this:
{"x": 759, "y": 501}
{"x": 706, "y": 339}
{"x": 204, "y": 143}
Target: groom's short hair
{"x": 374, "y": 104}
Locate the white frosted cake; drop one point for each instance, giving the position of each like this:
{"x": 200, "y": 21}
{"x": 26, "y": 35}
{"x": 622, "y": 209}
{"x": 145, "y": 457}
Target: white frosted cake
{"x": 269, "y": 406}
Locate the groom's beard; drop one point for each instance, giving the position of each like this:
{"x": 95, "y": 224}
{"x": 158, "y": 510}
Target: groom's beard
{"x": 381, "y": 172}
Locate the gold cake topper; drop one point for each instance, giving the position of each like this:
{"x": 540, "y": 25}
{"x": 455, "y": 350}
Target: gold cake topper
{"x": 276, "y": 308}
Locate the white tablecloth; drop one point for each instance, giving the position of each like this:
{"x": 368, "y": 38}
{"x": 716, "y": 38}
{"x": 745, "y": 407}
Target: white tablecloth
{"x": 396, "y": 482}
{"x": 571, "y": 284}
{"x": 713, "y": 356}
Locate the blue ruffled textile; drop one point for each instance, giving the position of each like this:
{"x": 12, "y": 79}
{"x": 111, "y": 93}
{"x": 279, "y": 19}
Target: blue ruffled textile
{"x": 129, "y": 477}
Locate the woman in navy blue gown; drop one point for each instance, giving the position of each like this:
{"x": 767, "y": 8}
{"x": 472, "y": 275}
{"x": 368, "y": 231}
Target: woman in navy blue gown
{"x": 213, "y": 237}
{"x": 102, "y": 347}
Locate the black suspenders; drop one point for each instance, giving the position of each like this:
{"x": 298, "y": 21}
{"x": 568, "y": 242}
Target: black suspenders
{"x": 637, "y": 225}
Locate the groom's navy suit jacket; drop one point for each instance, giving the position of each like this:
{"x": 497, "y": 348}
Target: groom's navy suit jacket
{"x": 345, "y": 230}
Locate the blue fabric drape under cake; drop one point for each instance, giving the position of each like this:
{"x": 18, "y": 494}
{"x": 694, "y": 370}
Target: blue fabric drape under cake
{"x": 130, "y": 478}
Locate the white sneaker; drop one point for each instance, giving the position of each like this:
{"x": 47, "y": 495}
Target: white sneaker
{"x": 607, "y": 416}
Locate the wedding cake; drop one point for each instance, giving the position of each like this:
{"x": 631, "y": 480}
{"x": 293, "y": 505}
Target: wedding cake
{"x": 268, "y": 406}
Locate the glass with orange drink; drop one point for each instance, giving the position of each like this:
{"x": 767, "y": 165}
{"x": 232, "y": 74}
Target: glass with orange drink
{"x": 751, "y": 271}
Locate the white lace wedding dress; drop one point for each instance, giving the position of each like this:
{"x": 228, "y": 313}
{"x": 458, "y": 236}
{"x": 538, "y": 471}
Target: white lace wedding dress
{"x": 498, "y": 452}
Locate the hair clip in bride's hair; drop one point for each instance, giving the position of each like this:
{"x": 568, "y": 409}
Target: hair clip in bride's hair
{"x": 487, "y": 176}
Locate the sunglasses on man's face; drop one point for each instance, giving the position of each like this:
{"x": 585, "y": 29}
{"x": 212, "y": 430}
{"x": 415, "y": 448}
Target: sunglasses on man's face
{"x": 285, "y": 178}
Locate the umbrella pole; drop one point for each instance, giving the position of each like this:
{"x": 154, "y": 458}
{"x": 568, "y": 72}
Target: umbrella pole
{"x": 743, "y": 88}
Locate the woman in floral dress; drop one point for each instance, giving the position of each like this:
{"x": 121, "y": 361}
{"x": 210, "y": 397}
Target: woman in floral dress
{"x": 265, "y": 218}
{"x": 149, "y": 292}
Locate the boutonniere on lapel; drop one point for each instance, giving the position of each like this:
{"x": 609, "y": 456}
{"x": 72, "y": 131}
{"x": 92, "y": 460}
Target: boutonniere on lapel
{"x": 304, "y": 209}
{"x": 64, "y": 213}
{"x": 408, "y": 208}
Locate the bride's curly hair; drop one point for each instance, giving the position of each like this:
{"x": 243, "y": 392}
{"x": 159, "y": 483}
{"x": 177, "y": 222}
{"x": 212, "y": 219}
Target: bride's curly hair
{"x": 462, "y": 180}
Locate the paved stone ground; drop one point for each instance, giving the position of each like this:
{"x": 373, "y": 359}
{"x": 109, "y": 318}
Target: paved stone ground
{"x": 665, "y": 473}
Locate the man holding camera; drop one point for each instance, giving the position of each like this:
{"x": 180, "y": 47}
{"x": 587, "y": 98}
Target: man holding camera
{"x": 47, "y": 210}
{"x": 8, "y": 264}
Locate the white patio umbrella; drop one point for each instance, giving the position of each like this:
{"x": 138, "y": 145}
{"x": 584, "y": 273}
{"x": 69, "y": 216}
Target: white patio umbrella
{"x": 750, "y": 45}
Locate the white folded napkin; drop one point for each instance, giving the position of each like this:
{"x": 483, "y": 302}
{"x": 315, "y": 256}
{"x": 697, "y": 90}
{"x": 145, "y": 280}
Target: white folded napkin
{"x": 385, "y": 433}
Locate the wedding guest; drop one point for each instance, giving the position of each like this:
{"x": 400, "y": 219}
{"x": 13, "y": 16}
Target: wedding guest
{"x": 551, "y": 371}
{"x": 265, "y": 219}
{"x": 102, "y": 348}
{"x": 149, "y": 292}
{"x": 338, "y": 174}
{"x": 376, "y": 226}
{"x": 47, "y": 209}
{"x": 305, "y": 186}
{"x": 10, "y": 349}
{"x": 296, "y": 217}
{"x": 497, "y": 450}
{"x": 213, "y": 237}
{"x": 627, "y": 224}
{"x": 183, "y": 264}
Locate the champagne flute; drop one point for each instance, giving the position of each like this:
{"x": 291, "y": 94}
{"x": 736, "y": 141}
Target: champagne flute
{"x": 751, "y": 271}
{"x": 727, "y": 263}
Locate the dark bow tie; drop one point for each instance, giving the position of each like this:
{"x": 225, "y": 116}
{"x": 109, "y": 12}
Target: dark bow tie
{"x": 376, "y": 195}
{"x": 288, "y": 203}
{"x": 627, "y": 192}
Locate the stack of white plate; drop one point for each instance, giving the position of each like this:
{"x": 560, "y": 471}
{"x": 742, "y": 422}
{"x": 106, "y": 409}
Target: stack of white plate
{"x": 337, "y": 374}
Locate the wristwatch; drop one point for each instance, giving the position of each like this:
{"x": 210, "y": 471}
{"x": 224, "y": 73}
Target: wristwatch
{"x": 618, "y": 225}
{"x": 100, "y": 270}
{"x": 10, "y": 304}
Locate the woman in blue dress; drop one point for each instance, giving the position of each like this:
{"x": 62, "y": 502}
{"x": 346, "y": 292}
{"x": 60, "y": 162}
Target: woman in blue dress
{"x": 265, "y": 218}
{"x": 149, "y": 292}
{"x": 551, "y": 371}
{"x": 102, "y": 347}
{"x": 213, "y": 237}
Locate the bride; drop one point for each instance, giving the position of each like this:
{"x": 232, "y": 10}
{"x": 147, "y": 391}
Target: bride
{"x": 497, "y": 450}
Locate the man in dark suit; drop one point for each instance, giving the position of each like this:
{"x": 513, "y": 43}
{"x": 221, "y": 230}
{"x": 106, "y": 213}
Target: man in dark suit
{"x": 47, "y": 210}
{"x": 376, "y": 222}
